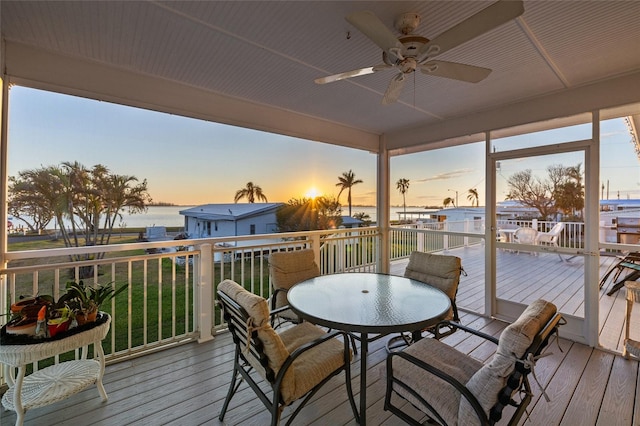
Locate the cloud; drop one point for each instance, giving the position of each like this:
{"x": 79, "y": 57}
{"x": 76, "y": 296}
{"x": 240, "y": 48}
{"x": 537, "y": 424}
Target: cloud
{"x": 613, "y": 134}
{"x": 447, "y": 175}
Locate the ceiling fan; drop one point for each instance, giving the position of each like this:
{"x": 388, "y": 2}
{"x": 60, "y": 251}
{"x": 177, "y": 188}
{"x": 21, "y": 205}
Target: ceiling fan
{"x": 409, "y": 52}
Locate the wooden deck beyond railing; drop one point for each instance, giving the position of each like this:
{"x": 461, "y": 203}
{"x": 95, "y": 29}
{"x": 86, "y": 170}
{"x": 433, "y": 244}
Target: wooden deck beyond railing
{"x": 186, "y": 385}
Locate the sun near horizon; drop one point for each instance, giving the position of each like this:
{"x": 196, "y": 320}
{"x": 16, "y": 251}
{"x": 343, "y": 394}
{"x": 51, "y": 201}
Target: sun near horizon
{"x": 312, "y": 193}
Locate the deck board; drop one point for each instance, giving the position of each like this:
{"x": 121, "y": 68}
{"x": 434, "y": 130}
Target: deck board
{"x": 186, "y": 385}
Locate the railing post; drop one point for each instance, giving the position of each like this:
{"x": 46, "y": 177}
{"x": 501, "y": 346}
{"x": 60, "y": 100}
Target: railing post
{"x": 445, "y": 238}
{"x": 420, "y": 236}
{"x": 205, "y": 293}
{"x": 315, "y": 245}
{"x": 466, "y": 229}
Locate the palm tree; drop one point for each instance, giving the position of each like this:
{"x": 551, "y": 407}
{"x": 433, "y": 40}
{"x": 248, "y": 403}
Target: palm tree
{"x": 251, "y": 192}
{"x": 448, "y": 201}
{"x": 403, "y": 186}
{"x": 346, "y": 181}
{"x": 473, "y": 197}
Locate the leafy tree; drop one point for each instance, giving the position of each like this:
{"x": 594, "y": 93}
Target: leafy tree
{"x": 448, "y": 201}
{"x": 347, "y": 181}
{"x": 309, "y": 214}
{"x": 85, "y": 202}
{"x": 569, "y": 193}
{"x": 27, "y": 198}
{"x": 473, "y": 197}
{"x": 251, "y": 192}
{"x": 402, "y": 185}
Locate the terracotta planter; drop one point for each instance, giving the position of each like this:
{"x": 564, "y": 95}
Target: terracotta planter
{"x": 28, "y": 307}
{"x": 83, "y": 318}
{"x": 22, "y": 326}
{"x": 57, "y": 327}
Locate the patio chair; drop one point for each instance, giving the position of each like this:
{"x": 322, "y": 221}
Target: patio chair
{"x": 525, "y": 235}
{"x": 296, "y": 363}
{"x": 286, "y": 269}
{"x": 630, "y": 263}
{"x": 442, "y": 272}
{"x": 551, "y": 237}
{"x": 451, "y": 387}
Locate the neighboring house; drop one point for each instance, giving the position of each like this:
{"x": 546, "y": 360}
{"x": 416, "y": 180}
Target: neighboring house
{"x": 350, "y": 222}
{"x": 456, "y": 217}
{"x": 511, "y": 209}
{"x": 227, "y": 220}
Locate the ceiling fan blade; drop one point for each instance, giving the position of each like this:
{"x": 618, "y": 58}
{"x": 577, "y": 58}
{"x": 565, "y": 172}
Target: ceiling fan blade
{"x": 371, "y": 26}
{"x": 349, "y": 74}
{"x": 487, "y": 19}
{"x": 393, "y": 91}
{"x": 455, "y": 71}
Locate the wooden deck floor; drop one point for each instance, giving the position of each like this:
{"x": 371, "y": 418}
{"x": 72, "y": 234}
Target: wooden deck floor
{"x": 186, "y": 385}
{"x": 522, "y": 278}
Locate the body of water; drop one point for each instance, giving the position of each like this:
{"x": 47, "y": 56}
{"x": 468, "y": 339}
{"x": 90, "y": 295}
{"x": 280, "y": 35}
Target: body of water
{"x": 170, "y": 216}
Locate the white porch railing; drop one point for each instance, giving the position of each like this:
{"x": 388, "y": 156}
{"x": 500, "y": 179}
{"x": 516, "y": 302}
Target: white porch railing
{"x": 171, "y": 284}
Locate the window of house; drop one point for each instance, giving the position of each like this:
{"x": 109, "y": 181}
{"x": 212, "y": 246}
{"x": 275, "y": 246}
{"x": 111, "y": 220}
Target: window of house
{"x": 252, "y": 229}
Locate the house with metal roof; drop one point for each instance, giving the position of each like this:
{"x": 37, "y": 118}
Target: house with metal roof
{"x": 226, "y": 220}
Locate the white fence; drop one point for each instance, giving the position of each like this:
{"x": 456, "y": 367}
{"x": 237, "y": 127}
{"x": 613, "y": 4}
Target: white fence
{"x": 170, "y": 297}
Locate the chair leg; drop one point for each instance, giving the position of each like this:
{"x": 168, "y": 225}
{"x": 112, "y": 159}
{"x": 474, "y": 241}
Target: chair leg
{"x": 233, "y": 387}
{"x": 353, "y": 344}
{"x": 397, "y": 342}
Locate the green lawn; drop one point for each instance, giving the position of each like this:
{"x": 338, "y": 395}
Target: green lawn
{"x": 157, "y": 305}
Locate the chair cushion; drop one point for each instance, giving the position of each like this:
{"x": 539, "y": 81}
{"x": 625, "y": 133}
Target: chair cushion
{"x": 514, "y": 341}
{"x": 289, "y": 268}
{"x": 258, "y": 311}
{"x": 440, "y": 271}
{"x": 443, "y": 397}
{"x": 311, "y": 367}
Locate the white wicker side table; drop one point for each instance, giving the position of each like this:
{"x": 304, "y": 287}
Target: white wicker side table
{"x": 58, "y": 381}
{"x": 633, "y": 295}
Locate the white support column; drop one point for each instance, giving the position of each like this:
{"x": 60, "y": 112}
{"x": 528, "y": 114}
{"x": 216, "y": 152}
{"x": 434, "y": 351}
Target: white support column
{"x": 591, "y": 248}
{"x": 383, "y": 206}
{"x": 490, "y": 230}
{"x": 205, "y": 293}
{"x": 4, "y": 215}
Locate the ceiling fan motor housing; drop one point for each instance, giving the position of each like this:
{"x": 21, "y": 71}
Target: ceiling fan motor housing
{"x": 411, "y": 45}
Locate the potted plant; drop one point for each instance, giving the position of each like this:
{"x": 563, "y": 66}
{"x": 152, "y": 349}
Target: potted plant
{"x": 85, "y": 300}
{"x": 24, "y": 314}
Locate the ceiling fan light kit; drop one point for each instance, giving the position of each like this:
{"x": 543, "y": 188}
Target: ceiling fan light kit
{"x": 409, "y": 52}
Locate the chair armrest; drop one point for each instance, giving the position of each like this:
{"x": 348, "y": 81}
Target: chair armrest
{"x": 274, "y": 297}
{"x": 276, "y": 311}
{"x": 307, "y": 346}
{"x": 464, "y": 391}
{"x": 454, "y": 324}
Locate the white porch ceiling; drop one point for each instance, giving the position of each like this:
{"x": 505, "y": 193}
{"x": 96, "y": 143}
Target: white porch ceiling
{"x": 252, "y": 63}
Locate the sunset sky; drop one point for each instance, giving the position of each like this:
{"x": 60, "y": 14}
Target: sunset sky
{"x": 188, "y": 161}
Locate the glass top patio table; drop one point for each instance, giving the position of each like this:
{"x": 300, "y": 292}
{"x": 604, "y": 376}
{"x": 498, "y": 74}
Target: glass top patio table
{"x": 368, "y": 303}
